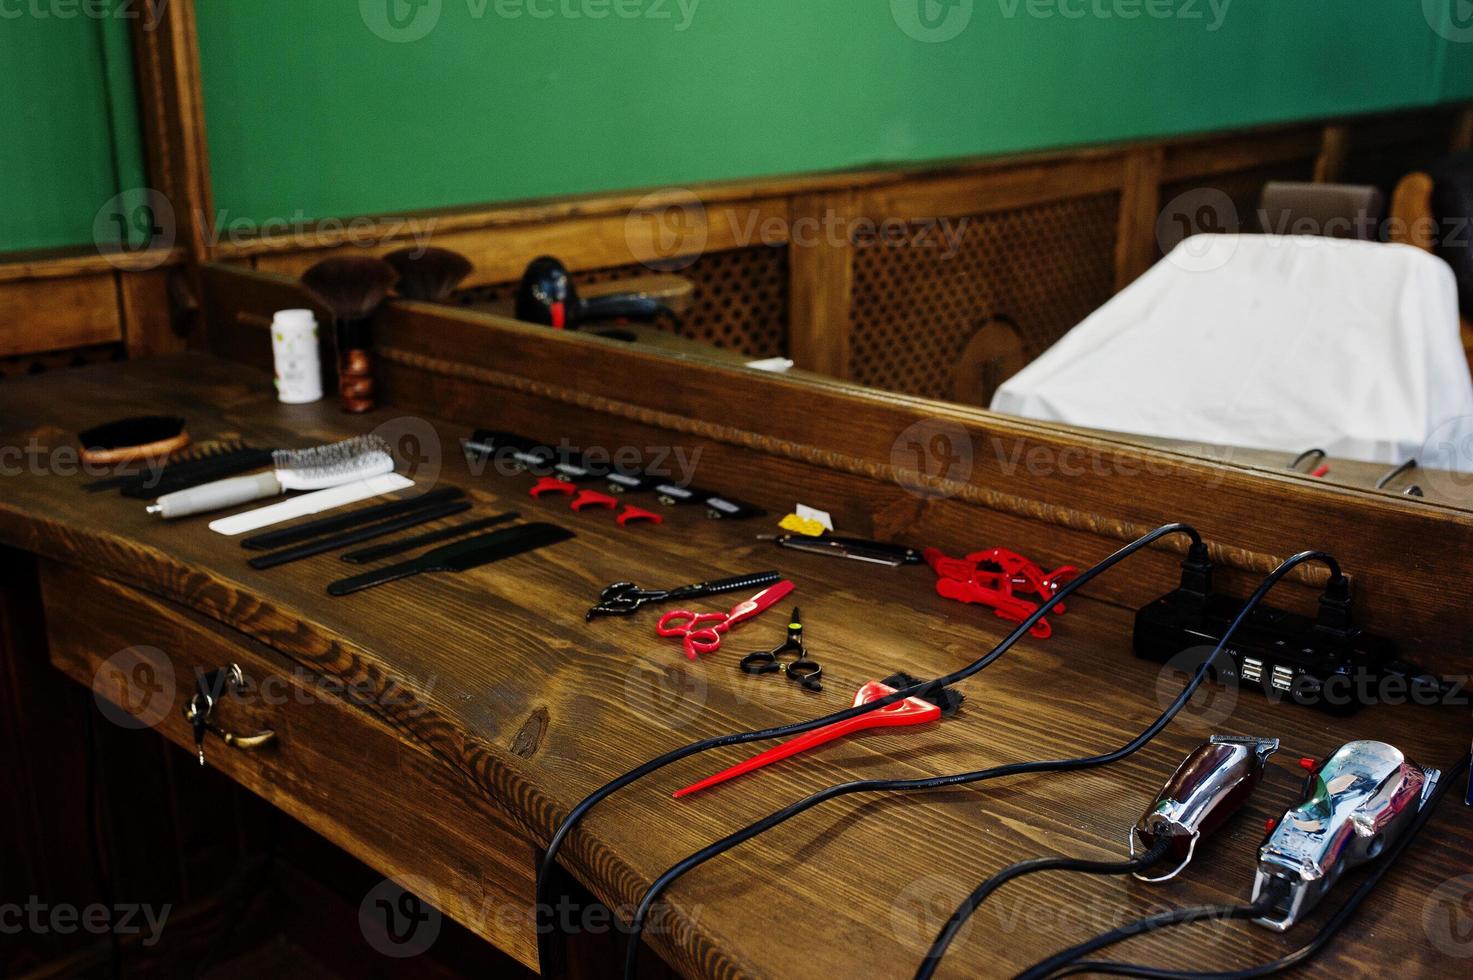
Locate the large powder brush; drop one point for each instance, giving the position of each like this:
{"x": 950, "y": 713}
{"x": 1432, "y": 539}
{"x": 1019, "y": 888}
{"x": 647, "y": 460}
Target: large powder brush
{"x": 429, "y": 274}
{"x": 353, "y": 289}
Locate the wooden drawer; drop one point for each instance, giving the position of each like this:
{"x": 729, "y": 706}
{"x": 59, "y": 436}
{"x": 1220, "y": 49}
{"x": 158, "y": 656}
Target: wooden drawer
{"x": 333, "y": 765}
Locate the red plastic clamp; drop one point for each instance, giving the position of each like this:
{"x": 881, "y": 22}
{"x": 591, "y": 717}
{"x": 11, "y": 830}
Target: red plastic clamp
{"x": 592, "y": 498}
{"x": 550, "y": 484}
{"x": 632, "y": 515}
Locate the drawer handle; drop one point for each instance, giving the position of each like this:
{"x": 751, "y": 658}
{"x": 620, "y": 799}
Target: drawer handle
{"x": 198, "y": 712}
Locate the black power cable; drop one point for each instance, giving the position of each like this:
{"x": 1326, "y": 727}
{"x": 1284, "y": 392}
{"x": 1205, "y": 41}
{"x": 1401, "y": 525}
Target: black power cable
{"x": 1334, "y": 924}
{"x": 960, "y": 779}
{"x": 547, "y": 925}
{"x": 974, "y": 901}
{"x": 1176, "y": 917}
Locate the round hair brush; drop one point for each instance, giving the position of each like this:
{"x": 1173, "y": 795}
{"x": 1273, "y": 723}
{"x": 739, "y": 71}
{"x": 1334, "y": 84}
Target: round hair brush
{"x": 318, "y": 468}
{"x": 354, "y": 289}
{"x": 429, "y": 274}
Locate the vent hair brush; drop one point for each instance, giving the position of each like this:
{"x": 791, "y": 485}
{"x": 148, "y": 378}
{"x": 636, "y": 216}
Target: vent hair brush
{"x": 292, "y": 469}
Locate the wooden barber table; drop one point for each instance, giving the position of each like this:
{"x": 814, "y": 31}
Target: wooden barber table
{"x": 440, "y": 728}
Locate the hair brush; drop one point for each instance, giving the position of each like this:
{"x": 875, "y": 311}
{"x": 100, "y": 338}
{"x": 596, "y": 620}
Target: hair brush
{"x": 429, "y": 274}
{"x": 354, "y": 289}
{"x": 318, "y": 468}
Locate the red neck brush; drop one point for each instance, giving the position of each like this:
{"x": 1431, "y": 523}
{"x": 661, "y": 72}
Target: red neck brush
{"x": 919, "y": 710}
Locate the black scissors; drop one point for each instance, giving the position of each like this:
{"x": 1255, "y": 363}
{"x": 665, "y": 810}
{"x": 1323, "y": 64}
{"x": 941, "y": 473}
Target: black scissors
{"x": 806, "y": 672}
{"x": 626, "y": 598}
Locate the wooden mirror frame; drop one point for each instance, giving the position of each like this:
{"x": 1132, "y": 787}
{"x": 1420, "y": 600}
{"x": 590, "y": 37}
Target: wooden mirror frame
{"x": 1056, "y": 494}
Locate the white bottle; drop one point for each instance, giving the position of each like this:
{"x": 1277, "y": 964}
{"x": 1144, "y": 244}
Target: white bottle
{"x": 294, "y": 347}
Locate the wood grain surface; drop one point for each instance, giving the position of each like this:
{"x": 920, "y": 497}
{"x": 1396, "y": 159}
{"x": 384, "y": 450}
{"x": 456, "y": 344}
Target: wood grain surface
{"x": 499, "y": 679}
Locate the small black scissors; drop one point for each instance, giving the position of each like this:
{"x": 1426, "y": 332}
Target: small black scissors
{"x": 806, "y": 672}
{"x": 626, "y": 598}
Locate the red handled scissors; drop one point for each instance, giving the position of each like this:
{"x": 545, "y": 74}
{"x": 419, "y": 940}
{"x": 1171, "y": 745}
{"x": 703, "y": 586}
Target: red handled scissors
{"x": 702, "y": 631}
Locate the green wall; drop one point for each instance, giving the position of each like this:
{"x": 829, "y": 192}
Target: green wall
{"x": 68, "y": 124}
{"x": 312, "y": 113}
{"x": 320, "y": 109}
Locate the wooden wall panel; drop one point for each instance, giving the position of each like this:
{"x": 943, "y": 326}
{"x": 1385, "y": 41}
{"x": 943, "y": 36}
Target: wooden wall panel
{"x": 737, "y": 233}
{"x": 43, "y": 315}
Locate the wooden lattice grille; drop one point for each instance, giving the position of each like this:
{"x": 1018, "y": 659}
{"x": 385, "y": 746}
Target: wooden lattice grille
{"x": 916, "y": 306}
{"x": 740, "y": 302}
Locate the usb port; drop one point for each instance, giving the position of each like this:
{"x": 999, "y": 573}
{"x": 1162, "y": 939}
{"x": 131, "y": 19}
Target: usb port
{"x": 1252, "y": 669}
{"x": 1283, "y": 678}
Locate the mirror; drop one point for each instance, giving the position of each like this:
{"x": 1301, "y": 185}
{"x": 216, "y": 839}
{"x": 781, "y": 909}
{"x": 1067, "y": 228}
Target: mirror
{"x": 1181, "y": 295}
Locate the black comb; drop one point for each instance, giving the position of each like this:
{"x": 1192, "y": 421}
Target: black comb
{"x": 945, "y": 698}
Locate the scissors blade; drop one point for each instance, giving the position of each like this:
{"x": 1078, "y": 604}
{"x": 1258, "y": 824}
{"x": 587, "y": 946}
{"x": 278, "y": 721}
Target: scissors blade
{"x": 760, "y": 602}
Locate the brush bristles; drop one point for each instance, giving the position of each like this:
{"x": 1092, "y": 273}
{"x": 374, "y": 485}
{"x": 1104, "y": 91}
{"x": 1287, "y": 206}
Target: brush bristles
{"x": 325, "y": 460}
{"x": 428, "y": 274}
{"x": 353, "y": 288}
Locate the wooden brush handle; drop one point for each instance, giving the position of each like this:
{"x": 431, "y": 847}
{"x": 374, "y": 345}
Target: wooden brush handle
{"x": 355, "y": 366}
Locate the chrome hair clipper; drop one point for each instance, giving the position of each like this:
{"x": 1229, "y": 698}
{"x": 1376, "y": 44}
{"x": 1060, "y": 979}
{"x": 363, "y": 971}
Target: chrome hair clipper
{"x": 1207, "y": 788}
{"x": 1356, "y": 804}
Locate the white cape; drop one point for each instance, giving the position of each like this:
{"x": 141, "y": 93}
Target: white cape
{"x": 1269, "y": 342}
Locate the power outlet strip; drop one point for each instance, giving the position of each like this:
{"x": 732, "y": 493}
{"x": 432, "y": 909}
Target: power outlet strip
{"x": 1283, "y": 655}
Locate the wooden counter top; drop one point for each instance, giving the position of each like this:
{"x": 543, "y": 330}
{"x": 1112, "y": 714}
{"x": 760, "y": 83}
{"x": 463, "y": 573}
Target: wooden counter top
{"x": 534, "y": 708}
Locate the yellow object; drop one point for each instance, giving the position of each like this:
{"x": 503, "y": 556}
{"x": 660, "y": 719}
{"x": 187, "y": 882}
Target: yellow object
{"x": 802, "y": 525}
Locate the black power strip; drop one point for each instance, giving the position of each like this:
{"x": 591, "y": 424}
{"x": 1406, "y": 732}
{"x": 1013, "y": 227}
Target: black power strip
{"x": 1282, "y": 654}
{"x": 1325, "y": 662}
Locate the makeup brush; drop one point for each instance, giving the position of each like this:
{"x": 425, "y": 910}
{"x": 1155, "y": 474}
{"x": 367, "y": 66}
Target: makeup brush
{"x": 429, "y": 274}
{"x": 353, "y": 288}
{"x": 319, "y": 468}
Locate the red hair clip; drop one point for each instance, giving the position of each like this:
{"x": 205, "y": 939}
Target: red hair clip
{"x": 549, "y": 484}
{"x": 592, "y": 498}
{"x": 633, "y": 514}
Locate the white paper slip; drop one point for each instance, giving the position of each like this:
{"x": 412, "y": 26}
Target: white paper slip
{"x": 814, "y": 514}
{"x": 310, "y": 503}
